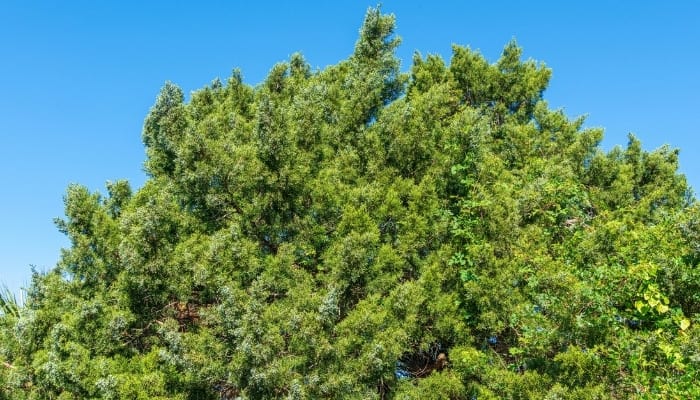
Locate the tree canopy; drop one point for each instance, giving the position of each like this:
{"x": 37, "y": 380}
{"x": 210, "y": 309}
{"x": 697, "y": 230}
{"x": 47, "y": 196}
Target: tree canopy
{"x": 360, "y": 232}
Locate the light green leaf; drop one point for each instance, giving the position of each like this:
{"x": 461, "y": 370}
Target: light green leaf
{"x": 661, "y": 308}
{"x": 640, "y": 306}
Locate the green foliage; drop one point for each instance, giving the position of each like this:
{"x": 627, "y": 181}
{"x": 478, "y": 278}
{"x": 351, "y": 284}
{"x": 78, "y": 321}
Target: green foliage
{"x": 9, "y": 305}
{"x": 358, "y": 232}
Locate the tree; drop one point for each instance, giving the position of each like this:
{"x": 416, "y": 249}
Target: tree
{"x": 359, "y": 232}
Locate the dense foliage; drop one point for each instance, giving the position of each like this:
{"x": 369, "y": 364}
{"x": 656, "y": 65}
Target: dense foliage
{"x": 359, "y": 232}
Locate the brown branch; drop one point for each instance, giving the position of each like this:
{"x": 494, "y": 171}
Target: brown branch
{"x": 8, "y": 365}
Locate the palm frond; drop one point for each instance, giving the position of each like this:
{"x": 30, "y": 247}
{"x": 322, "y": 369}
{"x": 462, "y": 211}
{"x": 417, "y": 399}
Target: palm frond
{"x": 9, "y": 305}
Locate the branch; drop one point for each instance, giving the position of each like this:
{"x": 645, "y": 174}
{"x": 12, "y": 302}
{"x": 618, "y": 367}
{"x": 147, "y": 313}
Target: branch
{"x": 8, "y": 365}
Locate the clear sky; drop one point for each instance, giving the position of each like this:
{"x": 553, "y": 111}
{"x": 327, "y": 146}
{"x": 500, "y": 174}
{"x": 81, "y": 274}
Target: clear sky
{"x": 77, "y": 79}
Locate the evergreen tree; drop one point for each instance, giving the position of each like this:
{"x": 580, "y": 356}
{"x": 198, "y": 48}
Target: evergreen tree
{"x": 359, "y": 232}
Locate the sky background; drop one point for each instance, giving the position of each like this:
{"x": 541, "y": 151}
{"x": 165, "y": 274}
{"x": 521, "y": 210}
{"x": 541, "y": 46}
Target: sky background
{"x": 78, "y": 78}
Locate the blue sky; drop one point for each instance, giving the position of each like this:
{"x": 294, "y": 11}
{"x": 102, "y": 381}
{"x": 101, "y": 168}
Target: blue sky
{"x": 78, "y": 78}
